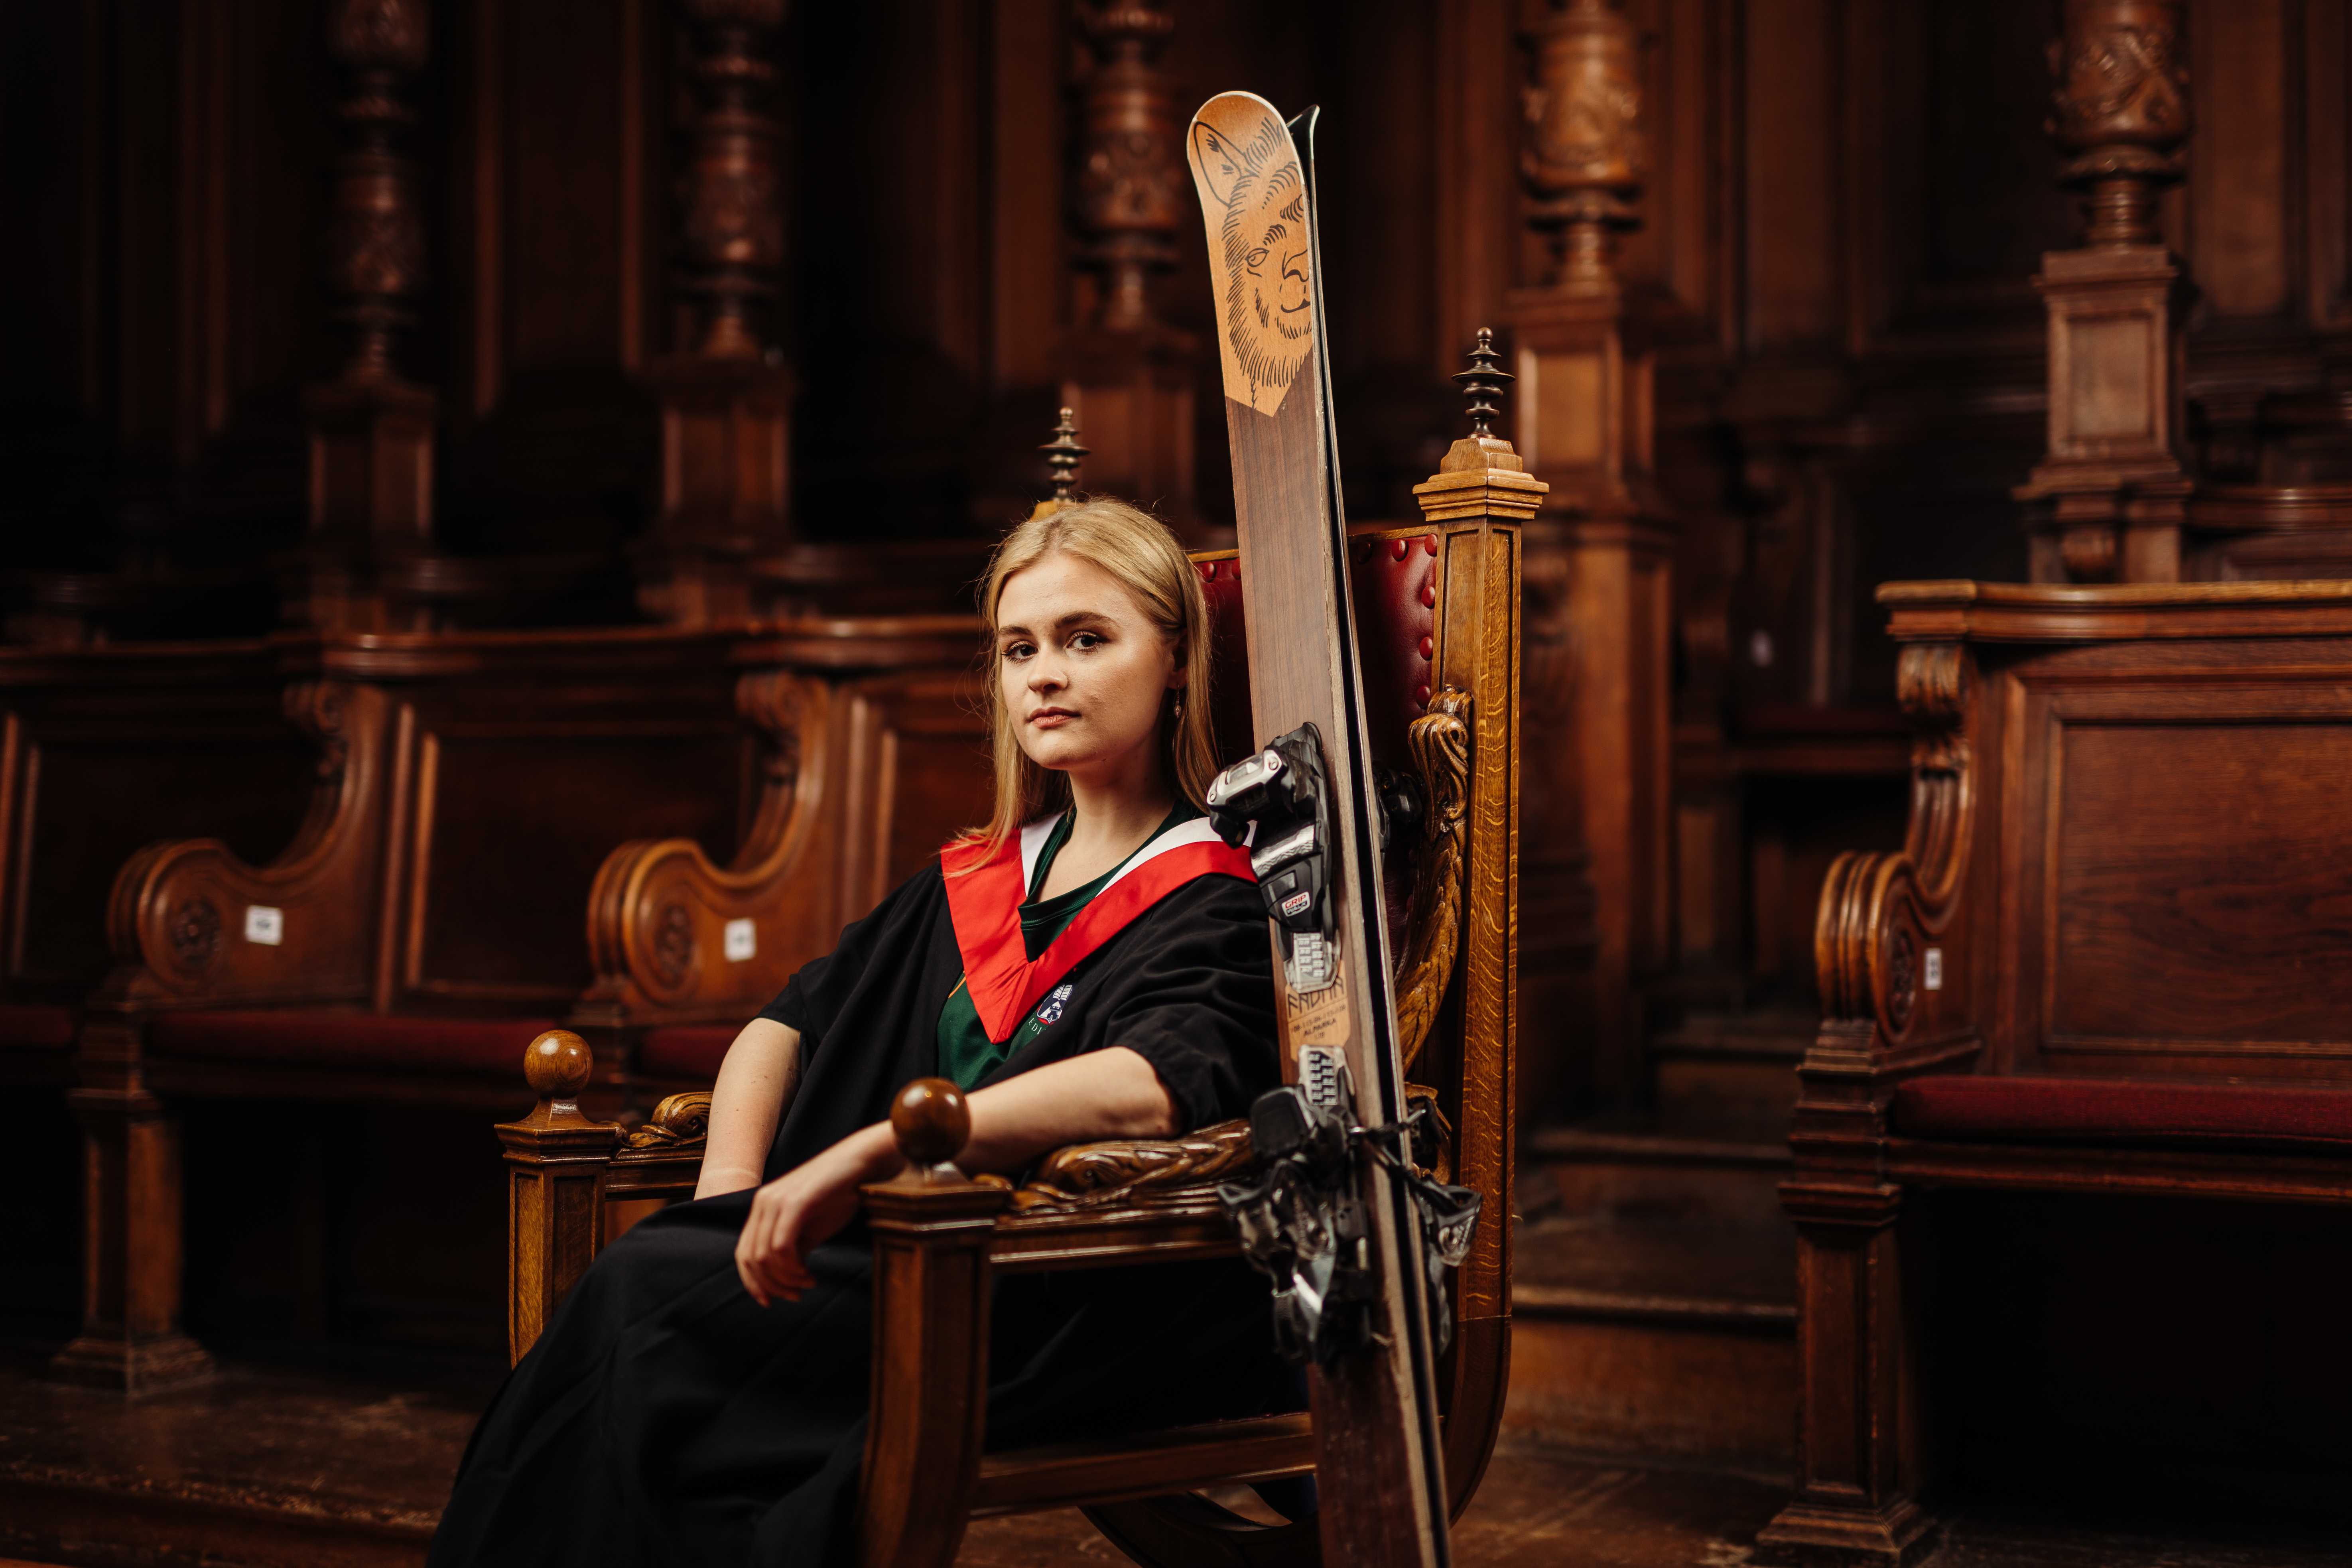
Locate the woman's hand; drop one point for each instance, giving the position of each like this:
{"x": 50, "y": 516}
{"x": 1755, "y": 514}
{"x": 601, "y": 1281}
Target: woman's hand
{"x": 807, "y": 1205}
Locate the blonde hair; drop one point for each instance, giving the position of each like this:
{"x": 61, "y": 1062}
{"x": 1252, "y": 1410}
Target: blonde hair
{"x": 1137, "y": 549}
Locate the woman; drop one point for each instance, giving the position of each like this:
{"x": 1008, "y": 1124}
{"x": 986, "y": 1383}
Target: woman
{"x": 1093, "y": 964}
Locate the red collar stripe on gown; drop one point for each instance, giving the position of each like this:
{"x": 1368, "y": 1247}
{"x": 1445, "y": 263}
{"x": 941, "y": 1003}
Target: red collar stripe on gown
{"x": 985, "y": 905}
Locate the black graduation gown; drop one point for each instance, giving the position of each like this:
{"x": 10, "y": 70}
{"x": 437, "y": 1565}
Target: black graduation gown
{"x": 666, "y": 1418}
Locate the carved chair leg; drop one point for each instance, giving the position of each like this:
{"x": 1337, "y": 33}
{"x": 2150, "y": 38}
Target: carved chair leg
{"x": 930, "y": 1366}
{"x": 1853, "y": 1501}
{"x": 130, "y": 1338}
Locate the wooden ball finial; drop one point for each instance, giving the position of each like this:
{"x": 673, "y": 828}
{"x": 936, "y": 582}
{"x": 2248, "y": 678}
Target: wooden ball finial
{"x": 557, "y": 1064}
{"x": 930, "y": 1120}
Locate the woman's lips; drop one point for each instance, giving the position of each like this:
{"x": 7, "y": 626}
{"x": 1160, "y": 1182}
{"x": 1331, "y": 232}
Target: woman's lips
{"x": 1051, "y": 718}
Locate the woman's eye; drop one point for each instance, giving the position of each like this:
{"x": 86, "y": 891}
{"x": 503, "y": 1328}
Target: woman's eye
{"x": 1019, "y": 650}
{"x": 1086, "y": 640}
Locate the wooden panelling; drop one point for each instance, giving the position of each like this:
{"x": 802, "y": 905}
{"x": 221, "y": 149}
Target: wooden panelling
{"x": 2198, "y": 898}
{"x": 2242, "y": 207}
{"x": 514, "y": 818}
{"x": 1794, "y": 77}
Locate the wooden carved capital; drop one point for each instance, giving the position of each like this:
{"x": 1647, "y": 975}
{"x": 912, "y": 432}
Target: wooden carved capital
{"x": 375, "y": 227}
{"x": 1132, "y": 193}
{"x": 731, "y": 217}
{"x": 1584, "y": 155}
{"x": 2121, "y": 108}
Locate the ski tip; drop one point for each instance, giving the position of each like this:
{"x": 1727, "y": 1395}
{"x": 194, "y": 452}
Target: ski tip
{"x": 1254, "y": 195}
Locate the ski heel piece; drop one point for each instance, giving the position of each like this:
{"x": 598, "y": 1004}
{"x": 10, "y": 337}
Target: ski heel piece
{"x": 1301, "y": 1224}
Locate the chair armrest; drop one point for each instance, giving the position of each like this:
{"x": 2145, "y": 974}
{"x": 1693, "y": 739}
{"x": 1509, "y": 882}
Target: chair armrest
{"x": 1137, "y": 1173}
{"x": 663, "y": 1158}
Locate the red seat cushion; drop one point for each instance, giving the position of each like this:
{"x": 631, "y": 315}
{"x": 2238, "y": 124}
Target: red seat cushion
{"x": 2118, "y": 1111}
{"x": 350, "y": 1040}
{"x": 37, "y": 1029}
{"x": 687, "y": 1050}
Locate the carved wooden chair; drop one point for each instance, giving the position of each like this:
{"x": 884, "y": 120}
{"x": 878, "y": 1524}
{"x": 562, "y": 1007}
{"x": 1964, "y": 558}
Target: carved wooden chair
{"x": 2103, "y": 962}
{"x": 1437, "y": 607}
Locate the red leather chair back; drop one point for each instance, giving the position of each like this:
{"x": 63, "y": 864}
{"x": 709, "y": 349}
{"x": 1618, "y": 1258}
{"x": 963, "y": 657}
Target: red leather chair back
{"x": 1393, "y": 576}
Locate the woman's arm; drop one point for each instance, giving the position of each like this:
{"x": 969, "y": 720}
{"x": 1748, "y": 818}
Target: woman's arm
{"x": 1110, "y": 1093}
{"x": 755, "y": 1086}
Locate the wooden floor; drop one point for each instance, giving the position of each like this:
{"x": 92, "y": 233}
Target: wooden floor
{"x": 327, "y": 1466}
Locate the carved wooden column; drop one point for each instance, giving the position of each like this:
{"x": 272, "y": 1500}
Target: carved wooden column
{"x": 2108, "y": 500}
{"x": 371, "y": 429}
{"x": 727, "y": 404}
{"x": 1601, "y": 543}
{"x": 1483, "y": 482}
{"x": 1127, "y": 373}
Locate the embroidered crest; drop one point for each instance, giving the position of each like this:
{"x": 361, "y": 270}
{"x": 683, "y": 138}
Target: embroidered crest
{"x": 1051, "y": 1012}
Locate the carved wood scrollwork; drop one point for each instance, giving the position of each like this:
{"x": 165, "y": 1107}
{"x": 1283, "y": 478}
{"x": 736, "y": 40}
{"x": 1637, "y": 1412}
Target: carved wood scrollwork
{"x": 659, "y": 910}
{"x": 1136, "y": 1170}
{"x": 1440, "y": 741}
{"x": 320, "y": 709}
{"x": 678, "y": 1123}
{"x": 196, "y": 930}
{"x": 1881, "y": 914}
{"x": 673, "y": 944}
{"x": 181, "y": 915}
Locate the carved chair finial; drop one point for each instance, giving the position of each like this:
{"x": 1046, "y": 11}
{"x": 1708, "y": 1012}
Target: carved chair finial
{"x": 1482, "y": 384}
{"x": 1063, "y": 454}
{"x": 557, "y": 1065}
{"x": 930, "y": 1122}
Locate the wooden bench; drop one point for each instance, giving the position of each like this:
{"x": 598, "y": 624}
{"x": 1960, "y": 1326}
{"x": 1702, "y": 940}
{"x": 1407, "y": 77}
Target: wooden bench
{"x": 103, "y": 750}
{"x": 1437, "y": 611}
{"x": 426, "y": 920}
{"x": 2115, "y": 957}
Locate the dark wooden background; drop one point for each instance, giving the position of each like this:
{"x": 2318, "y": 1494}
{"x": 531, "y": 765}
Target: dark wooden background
{"x": 1843, "y": 205}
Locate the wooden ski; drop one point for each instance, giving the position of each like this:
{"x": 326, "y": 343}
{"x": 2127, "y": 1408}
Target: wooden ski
{"x": 1378, "y": 1468}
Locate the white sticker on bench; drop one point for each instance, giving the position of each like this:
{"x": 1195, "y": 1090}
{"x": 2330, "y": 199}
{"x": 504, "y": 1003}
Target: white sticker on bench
{"x": 1932, "y": 971}
{"x": 743, "y": 941}
{"x": 265, "y": 924}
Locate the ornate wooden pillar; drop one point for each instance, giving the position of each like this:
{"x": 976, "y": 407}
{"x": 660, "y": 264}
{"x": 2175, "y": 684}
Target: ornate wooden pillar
{"x": 370, "y": 429}
{"x": 725, "y": 406}
{"x": 1127, "y": 373}
{"x": 2108, "y": 500}
{"x": 1599, "y": 556}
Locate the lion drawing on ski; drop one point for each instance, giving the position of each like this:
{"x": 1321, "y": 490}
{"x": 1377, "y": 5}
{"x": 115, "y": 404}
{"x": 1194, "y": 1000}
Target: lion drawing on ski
{"x": 1269, "y": 297}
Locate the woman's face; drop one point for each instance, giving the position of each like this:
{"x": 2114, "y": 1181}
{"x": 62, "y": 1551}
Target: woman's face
{"x": 1082, "y": 669}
